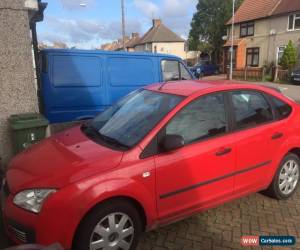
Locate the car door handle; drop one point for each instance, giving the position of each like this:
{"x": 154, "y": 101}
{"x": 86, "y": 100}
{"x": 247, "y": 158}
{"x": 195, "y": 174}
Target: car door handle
{"x": 277, "y": 135}
{"x": 223, "y": 151}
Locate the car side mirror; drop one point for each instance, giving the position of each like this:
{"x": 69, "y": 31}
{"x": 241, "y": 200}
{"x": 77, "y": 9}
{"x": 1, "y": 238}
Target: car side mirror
{"x": 172, "y": 142}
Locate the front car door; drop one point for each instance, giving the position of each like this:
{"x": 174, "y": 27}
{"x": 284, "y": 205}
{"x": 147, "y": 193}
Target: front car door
{"x": 198, "y": 174}
{"x": 253, "y": 123}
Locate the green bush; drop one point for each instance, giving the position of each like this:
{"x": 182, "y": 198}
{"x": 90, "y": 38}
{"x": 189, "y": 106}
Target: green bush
{"x": 289, "y": 58}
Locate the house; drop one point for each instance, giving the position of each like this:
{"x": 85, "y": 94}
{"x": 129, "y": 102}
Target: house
{"x": 160, "y": 39}
{"x": 115, "y": 45}
{"x": 133, "y": 41}
{"x": 262, "y": 29}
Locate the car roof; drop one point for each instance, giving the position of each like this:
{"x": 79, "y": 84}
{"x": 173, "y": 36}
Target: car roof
{"x": 191, "y": 87}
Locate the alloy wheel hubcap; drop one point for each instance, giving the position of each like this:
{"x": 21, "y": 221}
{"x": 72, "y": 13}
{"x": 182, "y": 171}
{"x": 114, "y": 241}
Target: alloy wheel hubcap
{"x": 114, "y": 231}
{"x": 289, "y": 177}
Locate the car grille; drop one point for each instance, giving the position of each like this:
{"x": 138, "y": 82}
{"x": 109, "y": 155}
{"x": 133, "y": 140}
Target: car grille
{"x": 20, "y": 233}
{"x": 21, "y": 236}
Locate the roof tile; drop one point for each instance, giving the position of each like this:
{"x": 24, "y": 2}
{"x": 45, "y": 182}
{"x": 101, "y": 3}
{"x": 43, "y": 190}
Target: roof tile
{"x": 255, "y": 9}
{"x": 287, "y": 6}
{"x": 160, "y": 33}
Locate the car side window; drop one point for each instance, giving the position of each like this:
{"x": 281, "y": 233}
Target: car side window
{"x": 282, "y": 109}
{"x": 170, "y": 70}
{"x": 185, "y": 75}
{"x": 201, "y": 119}
{"x": 250, "y": 109}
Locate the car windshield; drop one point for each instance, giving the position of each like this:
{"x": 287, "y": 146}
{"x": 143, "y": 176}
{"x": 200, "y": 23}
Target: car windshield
{"x": 129, "y": 120}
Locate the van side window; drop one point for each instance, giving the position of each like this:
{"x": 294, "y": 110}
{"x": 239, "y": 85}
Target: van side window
{"x": 282, "y": 109}
{"x": 174, "y": 70}
{"x": 170, "y": 70}
{"x": 185, "y": 75}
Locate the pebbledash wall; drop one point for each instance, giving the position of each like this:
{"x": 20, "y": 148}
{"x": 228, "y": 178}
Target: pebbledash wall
{"x": 18, "y": 92}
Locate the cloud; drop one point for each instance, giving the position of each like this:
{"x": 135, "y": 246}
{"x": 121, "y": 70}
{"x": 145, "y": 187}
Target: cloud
{"x": 77, "y": 4}
{"x": 82, "y": 31}
{"x": 176, "y": 14}
{"x": 148, "y": 8}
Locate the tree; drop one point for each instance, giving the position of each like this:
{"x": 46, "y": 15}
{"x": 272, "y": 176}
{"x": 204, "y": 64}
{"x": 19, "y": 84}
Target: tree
{"x": 208, "y": 26}
{"x": 289, "y": 58}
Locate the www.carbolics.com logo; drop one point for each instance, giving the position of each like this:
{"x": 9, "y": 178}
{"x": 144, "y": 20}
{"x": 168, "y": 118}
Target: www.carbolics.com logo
{"x": 268, "y": 241}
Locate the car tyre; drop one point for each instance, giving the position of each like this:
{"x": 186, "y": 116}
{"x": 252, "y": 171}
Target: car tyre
{"x": 116, "y": 223}
{"x": 286, "y": 179}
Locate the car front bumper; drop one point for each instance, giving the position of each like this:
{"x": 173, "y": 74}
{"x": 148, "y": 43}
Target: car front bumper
{"x": 18, "y": 224}
{"x": 24, "y": 227}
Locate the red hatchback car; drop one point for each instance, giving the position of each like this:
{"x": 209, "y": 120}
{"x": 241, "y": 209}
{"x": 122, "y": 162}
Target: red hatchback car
{"x": 160, "y": 154}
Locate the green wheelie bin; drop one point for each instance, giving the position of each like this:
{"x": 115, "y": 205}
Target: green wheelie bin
{"x": 27, "y": 129}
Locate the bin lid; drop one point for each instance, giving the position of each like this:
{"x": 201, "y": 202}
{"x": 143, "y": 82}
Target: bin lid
{"x": 27, "y": 120}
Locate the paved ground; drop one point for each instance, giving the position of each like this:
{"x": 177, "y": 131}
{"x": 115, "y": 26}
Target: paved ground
{"x": 221, "y": 228}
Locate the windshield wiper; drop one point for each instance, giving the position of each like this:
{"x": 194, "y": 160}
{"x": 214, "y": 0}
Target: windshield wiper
{"x": 93, "y": 132}
{"x": 113, "y": 141}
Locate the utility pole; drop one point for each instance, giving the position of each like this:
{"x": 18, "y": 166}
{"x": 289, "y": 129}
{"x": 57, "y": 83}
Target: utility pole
{"x": 232, "y": 39}
{"x": 123, "y": 24}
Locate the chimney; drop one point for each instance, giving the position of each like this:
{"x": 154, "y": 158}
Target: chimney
{"x": 135, "y": 35}
{"x": 156, "y": 22}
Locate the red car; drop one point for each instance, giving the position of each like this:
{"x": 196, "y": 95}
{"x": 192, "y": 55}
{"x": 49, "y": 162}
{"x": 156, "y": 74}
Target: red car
{"x": 160, "y": 154}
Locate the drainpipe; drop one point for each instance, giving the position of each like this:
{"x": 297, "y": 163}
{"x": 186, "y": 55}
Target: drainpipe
{"x": 232, "y": 40}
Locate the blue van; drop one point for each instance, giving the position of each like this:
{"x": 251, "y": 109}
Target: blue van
{"x": 77, "y": 84}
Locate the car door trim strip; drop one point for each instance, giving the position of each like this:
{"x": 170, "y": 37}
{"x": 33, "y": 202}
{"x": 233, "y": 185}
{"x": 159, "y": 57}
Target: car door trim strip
{"x": 203, "y": 183}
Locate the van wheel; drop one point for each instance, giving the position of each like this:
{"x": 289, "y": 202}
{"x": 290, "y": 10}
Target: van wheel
{"x": 112, "y": 225}
{"x": 286, "y": 179}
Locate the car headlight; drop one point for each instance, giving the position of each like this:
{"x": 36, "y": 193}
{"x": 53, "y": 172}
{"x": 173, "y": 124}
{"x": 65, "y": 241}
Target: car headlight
{"x": 198, "y": 70}
{"x": 32, "y": 199}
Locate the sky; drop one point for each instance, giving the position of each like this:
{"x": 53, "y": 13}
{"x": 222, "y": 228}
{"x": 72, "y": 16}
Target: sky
{"x": 99, "y": 21}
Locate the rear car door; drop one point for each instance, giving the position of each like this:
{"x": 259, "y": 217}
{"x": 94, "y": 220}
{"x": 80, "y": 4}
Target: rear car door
{"x": 198, "y": 174}
{"x": 253, "y": 125}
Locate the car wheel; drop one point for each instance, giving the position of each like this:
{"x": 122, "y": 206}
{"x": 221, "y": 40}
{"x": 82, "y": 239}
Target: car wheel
{"x": 113, "y": 225}
{"x": 286, "y": 178}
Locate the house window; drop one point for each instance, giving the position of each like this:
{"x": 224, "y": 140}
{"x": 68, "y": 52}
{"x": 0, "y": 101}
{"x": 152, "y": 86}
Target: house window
{"x": 280, "y": 51}
{"x": 294, "y": 22}
{"x": 247, "y": 29}
{"x": 253, "y": 57}
{"x": 148, "y": 47}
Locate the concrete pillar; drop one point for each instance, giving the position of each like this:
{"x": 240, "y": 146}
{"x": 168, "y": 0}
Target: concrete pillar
{"x": 18, "y": 92}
